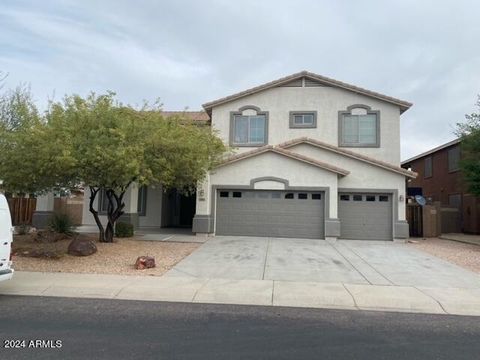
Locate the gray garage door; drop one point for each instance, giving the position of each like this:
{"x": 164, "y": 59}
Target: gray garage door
{"x": 365, "y": 216}
{"x": 270, "y": 213}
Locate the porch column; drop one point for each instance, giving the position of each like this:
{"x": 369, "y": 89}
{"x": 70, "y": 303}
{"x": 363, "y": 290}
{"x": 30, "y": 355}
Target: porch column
{"x": 203, "y": 220}
{"x": 332, "y": 223}
{"x": 43, "y": 210}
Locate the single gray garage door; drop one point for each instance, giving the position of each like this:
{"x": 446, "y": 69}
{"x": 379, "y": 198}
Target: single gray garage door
{"x": 270, "y": 213}
{"x": 365, "y": 216}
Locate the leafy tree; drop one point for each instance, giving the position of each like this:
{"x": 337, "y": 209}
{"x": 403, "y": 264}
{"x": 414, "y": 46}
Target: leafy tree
{"x": 28, "y": 150}
{"x": 469, "y": 132}
{"x": 17, "y": 108}
{"x": 101, "y": 143}
{"x": 109, "y": 146}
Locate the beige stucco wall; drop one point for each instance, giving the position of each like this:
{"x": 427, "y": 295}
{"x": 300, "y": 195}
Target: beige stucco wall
{"x": 297, "y": 173}
{"x": 153, "y": 214}
{"x": 327, "y": 101}
{"x": 203, "y": 197}
{"x": 362, "y": 175}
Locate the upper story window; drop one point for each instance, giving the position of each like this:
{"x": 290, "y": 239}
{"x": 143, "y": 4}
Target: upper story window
{"x": 303, "y": 119}
{"x": 249, "y": 127}
{"x": 428, "y": 167}
{"x": 453, "y": 159}
{"x": 359, "y": 126}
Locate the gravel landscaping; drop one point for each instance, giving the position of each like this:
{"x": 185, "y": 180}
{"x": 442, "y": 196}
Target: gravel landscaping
{"x": 464, "y": 255}
{"x": 116, "y": 258}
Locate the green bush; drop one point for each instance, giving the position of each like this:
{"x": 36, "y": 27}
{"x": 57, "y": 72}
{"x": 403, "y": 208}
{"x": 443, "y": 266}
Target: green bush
{"x": 123, "y": 230}
{"x": 62, "y": 224}
{"x": 22, "y": 229}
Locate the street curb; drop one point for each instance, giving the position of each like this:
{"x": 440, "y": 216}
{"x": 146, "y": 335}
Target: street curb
{"x": 453, "y": 301}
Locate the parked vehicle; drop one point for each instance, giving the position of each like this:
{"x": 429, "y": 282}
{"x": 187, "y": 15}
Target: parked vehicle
{"x": 6, "y": 238}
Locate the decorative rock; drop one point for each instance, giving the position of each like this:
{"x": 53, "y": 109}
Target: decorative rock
{"x": 145, "y": 262}
{"x": 82, "y": 247}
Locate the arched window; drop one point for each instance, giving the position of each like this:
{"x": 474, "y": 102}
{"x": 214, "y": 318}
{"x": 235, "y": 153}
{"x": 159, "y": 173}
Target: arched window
{"x": 359, "y": 126}
{"x": 248, "y": 127}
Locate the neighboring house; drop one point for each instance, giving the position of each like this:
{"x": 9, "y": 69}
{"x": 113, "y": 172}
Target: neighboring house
{"x": 440, "y": 179}
{"x": 315, "y": 158}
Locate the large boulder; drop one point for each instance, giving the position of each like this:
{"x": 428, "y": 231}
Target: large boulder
{"x": 82, "y": 247}
{"x": 145, "y": 262}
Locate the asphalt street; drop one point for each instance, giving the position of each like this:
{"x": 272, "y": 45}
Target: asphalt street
{"x": 70, "y": 328}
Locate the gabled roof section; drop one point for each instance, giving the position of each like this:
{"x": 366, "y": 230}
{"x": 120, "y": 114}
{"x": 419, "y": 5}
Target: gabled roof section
{"x": 434, "y": 150}
{"x": 283, "y": 152}
{"x": 348, "y": 153}
{"x": 319, "y": 79}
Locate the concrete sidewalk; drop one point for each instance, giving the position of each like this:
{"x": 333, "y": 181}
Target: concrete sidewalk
{"x": 465, "y": 238}
{"x": 460, "y": 301}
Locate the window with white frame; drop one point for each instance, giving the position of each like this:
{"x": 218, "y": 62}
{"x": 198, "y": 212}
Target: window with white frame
{"x": 249, "y": 129}
{"x": 359, "y": 127}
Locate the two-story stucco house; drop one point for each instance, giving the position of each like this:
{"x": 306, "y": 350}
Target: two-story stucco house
{"x": 314, "y": 158}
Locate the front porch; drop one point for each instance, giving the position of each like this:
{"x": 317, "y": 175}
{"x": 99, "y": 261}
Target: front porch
{"x": 151, "y": 207}
{"x": 155, "y": 213}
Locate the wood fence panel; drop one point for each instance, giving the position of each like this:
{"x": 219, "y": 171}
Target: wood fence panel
{"x": 22, "y": 210}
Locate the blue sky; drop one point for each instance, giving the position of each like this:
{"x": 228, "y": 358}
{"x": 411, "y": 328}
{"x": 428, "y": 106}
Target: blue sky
{"x": 189, "y": 52}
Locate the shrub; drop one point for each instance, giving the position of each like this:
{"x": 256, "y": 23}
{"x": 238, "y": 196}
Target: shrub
{"x": 22, "y": 229}
{"x": 62, "y": 224}
{"x": 123, "y": 230}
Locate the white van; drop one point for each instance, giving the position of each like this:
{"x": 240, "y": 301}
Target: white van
{"x": 6, "y": 238}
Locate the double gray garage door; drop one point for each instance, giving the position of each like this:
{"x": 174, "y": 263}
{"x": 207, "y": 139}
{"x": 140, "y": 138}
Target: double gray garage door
{"x": 300, "y": 214}
{"x": 270, "y": 213}
{"x": 365, "y": 216}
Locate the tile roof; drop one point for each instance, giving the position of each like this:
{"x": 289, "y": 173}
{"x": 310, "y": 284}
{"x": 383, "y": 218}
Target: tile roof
{"x": 283, "y": 152}
{"x": 404, "y": 105}
{"x": 348, "y": 153}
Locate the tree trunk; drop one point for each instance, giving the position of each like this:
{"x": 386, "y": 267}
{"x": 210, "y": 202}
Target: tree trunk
{"x": 114, "y": 211}
{"x": 101, "y": 232}
{"x": 109, "y": 232}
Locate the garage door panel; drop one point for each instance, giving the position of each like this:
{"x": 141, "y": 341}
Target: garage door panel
{"x": 269, "y": 213}
{"x": 365, "y": 220}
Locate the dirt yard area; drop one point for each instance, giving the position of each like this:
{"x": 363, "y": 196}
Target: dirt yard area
{"x": 116, "y": 258}
{"x": 464, "y": 255}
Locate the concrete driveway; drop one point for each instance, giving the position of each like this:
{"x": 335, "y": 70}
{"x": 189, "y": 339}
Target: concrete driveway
{"x": 355, "y": 275}
{"x": 304, "y": 260}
